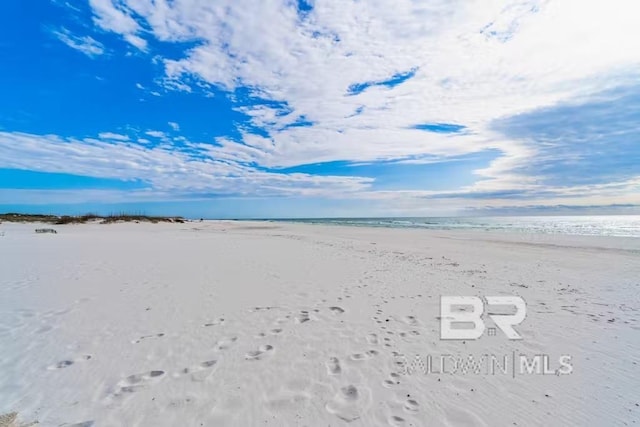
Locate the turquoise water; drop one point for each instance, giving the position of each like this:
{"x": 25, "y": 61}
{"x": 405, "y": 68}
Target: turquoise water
{"x": 614, "y": 225}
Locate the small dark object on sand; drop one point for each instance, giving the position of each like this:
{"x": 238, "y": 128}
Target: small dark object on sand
{"x": 46, "y": 230}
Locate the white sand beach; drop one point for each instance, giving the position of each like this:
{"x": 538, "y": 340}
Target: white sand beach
{"x": 225, "y": 323}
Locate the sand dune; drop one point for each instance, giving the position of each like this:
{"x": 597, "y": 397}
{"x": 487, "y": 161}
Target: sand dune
{"x": 243, "y": 324}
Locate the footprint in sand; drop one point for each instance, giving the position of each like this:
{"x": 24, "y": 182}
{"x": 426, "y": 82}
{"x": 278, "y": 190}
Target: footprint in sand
{"x": 160, "y": 335}
{"x": 202, "y": 371}
{"x": 135, "y": 382}
{"x": 66, "y": 363}
{"x": 284, "y": 319}
{"x": 255, "y": 309}
{"x": 336, "y": 310}
{"x": 260, "y": 353}
{"x": 410, "y": 320}
{"x": 348, "y": 404}
{"x": 411, "y": 406}
{"x": 410, "y": 336}
{"x": 333, "y": 366}
{"x": 302, "y": 317}
{"x": 216, "y": 322}
{"x": 395, "y": 421}
{"x": 372, "y": 339}
{"x": 359, "y": 357}
{"x": 393, "y": 381}
{"x": 224, "y": 343}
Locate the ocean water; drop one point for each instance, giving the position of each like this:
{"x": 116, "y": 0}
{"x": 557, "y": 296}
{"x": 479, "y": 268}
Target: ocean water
{"x": 614, "y": 225}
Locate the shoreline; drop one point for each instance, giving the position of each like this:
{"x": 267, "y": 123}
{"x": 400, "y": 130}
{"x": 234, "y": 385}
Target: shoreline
{"x": 551, "y": 240}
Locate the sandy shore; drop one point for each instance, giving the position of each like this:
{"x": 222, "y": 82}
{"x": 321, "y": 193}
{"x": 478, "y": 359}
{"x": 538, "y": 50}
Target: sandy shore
{"x": 246, "y": 324}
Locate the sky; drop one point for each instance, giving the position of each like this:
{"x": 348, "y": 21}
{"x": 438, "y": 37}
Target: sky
{"x": 325, "y": 108}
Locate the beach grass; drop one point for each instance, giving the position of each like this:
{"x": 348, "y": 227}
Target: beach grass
{"x": 89, "y": 217}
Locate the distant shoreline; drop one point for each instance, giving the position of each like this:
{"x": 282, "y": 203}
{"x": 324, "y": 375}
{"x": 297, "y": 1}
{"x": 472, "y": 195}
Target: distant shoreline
{"x": 596, "y": 225}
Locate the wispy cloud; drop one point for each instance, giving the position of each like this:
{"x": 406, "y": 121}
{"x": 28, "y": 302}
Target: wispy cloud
{"x": 178, "y": 168}
{"x": 113, "y": 136}
{"x": 116, "y": 16}
{"x": 86, "y": 44}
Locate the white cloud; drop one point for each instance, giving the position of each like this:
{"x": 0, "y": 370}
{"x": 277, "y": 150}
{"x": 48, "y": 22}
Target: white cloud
{"x": 475, "y": 61}
{"x": 167, "y": 170}
{"x": 138, "y": 42}
{"x": 156, "y": 134}
{"x": 192, "y": 173}
{"x": 175, "y": 126}
{"x": 113, "y": 15}
{"x": 79, "y": 196}
{"x": 113, "y": 136}
{"x": 87, "y": 45}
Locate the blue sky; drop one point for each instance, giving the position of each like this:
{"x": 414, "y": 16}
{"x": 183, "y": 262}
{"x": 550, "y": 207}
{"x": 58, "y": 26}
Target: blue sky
{"x": 319, "y": 108}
